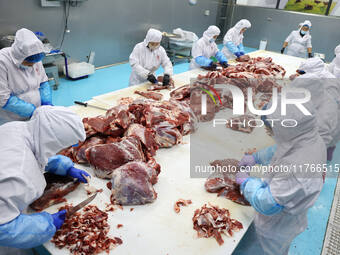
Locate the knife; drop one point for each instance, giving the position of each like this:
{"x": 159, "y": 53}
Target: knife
{"x": 71, "y": 211}
{"x": 89, "y": 105}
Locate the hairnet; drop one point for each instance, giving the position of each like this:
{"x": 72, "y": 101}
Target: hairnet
{"x": 211, "y": 32}
{"x": 153, "y": 35}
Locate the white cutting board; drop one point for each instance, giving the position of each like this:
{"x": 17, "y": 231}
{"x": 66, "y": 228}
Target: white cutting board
{"x": 155, "y": 229}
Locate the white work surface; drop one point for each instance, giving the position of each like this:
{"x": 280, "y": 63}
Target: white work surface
{"x": 155, "y": 229}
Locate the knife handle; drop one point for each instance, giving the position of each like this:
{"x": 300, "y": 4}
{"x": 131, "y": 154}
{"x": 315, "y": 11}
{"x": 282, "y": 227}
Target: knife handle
{"x": 80, "y": 103}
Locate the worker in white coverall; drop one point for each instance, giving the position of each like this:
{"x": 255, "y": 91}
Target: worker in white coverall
{"x": 334, "y": 67}
{"x": 233, "y": 40}
{"x": 28, "y": 149}
{"x": 299, "y": 41}
{"x": 282, "y": 198}
{"x": 328, "y": 108}
{"x": 205, "y": 52}
{"x": 147, "y": 57}
{"x": 23, "y": 81}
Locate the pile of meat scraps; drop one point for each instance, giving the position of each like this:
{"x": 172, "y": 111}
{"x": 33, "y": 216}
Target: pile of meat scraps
{"x": 242, "y": 124}
{"x": 212, "y": 221}
{"x": 224, "y": 182}
{"x": 86, "y": 233}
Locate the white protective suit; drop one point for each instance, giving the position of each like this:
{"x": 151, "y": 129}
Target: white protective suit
{"x": 203, "y": 47}
{"x": 233, "y": 35}
{"x": 145, "y": 61}
{"x": 334, "y": 67}
{"x": 297, "y": 45}
{"x": 24, "y": 152}
{"x": 331, "y": 84}
{"x": 295, "y": 192}
{"x": 23, "y": 83}
{"x": 326, "y": 108}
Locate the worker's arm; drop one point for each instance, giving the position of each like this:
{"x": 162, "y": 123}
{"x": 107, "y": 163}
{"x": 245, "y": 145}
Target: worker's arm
{"x": 259, "y": 196}
{"x": 27, "y": 231}
{"x": 221, "y": 58}
{"x": 264, "y": 156}
{"x": 45, "y": 93}
{"x": 135, "y": 64}
{"x": 241, "y": 48}
{"x": 62, "y": 165}
{"x": 232, "y": 47}
{"x": 166, "y": 63}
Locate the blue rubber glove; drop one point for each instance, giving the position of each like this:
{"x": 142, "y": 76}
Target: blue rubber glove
{"x": 237, "y": 54}
{"x": 220, "y": 57}
{"x": 59, "y": 165}
{"x": 59, "y": 218}
{"x": 27, "y": 231}
{"x": 18, "y": 106}
{"x": 45, "y": 93}
{"x": 240, "y": 47}
{"x": 203, "y": 61}
{"x": 242, "y": 53}
{"x": 77, "y": 173}
{"x": 241, "y": 177}
{"x": 247, "y": 160}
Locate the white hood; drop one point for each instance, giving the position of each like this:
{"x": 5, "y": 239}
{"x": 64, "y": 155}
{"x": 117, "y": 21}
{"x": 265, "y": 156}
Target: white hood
{"x": 153, "y": 35}
{"x": 53, "y": 129}
{"x": 243, "y": 23}
{"x": 312, "y": 65}
{"x": 26, "y": 44}
{"x": 211, "y": 32}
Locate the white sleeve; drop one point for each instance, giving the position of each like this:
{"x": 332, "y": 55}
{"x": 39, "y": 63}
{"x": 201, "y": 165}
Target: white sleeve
{"x": 228, "y": 37}
{"x": 135, "y": 64}
{"x": 331, "y": 66}
{"x": 166, "y": 63}
{"x": 290, "y": 37}
{"x": 309, "y": 42}
{"x": 197, "y": 50}
{"x": 5, "y": 92}
{"x": 43, "y": 76}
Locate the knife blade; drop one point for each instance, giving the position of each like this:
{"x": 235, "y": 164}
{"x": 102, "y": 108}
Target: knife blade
{"x": 89, "y": 105}
{"x": 71, "y": 211}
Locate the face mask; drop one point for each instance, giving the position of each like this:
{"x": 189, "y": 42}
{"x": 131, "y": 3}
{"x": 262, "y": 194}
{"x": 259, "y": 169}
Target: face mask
{"x": 303, "y": 32}
{"x": 212, "y": 40}
{"x": 152, "y": 48}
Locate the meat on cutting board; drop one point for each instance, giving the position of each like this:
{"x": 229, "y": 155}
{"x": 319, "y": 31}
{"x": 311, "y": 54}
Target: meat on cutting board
{"x": 152, "y": 95}
{"x": 167, "y": 134}
{"x": 242, "y": 124}
{"x": 105, "y": 158}
{"x": 79, "y": 155}
{"x": 181, "y": 202}
{"x": 132, "y": 184}
{"x": 212, "y": 221}
{"x": 224, "y": 182}
{"x": 160, "y": 85}
{"x": 56, "y": 189}
{"x": 181, "y": 93}
{"x": 244, "y": 58}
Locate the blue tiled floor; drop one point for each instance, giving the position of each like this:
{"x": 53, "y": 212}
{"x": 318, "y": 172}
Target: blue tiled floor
{"x": 117, "y": 77}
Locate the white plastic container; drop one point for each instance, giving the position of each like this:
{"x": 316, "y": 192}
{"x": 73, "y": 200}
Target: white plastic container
{"x": 263, "y": 45}
{"x": 77, "y": 70}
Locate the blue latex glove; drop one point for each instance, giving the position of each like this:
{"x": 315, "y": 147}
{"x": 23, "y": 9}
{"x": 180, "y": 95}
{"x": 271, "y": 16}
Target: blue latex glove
{"x": 18, "y": 106}
{"x": 59, "y": 165}
{"x": 259, "y": 196}
{"x": 241, "y": 177}
{"x": 237, "y": 54}
{"x": 220, "y": 57}
{"x": 242, "y": 53}
{"x": 59, "y": 218}
{"x": 247, "y": 160}
{"x": 203, "y": 61}
{"x": 27, "y": 231}
{"x": 45, "y": 93}
{"x": 232, "y": 47}
{"x": 241, "y": 47}
{"x": 77, "y": 173}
